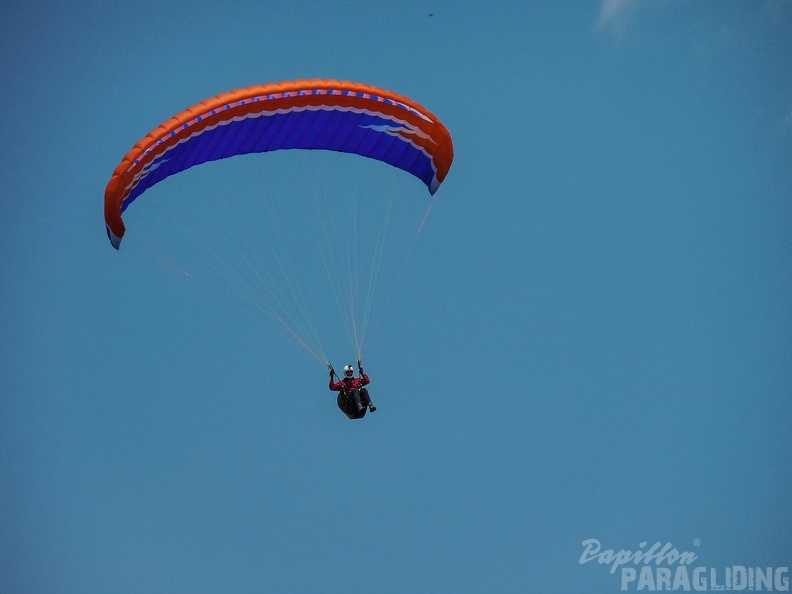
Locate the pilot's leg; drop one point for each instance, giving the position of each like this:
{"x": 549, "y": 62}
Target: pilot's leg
{"x": 364, "y": 396}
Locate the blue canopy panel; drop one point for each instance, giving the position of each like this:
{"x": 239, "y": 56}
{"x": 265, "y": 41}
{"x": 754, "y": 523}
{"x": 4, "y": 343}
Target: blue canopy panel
{"x": 325, "y": 128}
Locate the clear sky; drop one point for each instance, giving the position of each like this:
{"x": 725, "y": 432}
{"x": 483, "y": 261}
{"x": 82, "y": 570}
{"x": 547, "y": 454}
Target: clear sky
{"x": 591, "y": 340}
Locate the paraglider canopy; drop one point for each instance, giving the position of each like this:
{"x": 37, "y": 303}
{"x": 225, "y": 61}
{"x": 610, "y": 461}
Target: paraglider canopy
{"x": 302, "y": 114}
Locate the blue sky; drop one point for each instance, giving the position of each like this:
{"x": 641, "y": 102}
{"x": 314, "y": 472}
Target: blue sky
{"x": 591, "y": 340}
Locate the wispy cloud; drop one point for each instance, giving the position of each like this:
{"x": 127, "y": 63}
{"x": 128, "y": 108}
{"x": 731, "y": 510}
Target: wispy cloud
{"x": 614, "y": 13}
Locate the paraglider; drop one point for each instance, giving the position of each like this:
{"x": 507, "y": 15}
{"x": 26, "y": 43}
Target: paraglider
{"x": 353, "y": 398}
{"x": 313, "y": 114}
